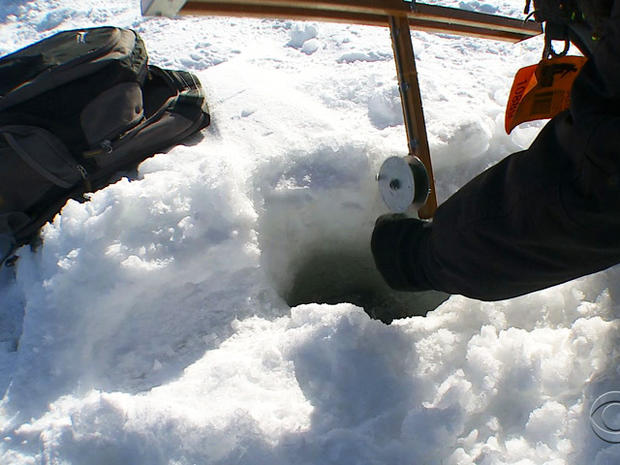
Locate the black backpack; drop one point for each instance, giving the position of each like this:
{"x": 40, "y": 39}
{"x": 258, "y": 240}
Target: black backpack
{"x": 75, "y": 108}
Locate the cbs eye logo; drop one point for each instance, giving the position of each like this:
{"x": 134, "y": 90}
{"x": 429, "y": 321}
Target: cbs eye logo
{"x": 605, "y": 417}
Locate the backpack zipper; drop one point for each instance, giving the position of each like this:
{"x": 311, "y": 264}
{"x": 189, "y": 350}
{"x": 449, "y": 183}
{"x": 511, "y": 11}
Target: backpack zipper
{"x": 105, "y": 146}
{"x": 84, "y": 175}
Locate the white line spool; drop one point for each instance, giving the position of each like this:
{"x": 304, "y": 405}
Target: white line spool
{"x": 403, "y": 183}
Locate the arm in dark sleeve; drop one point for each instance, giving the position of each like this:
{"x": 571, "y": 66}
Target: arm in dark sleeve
{"x": 540, "y": 217}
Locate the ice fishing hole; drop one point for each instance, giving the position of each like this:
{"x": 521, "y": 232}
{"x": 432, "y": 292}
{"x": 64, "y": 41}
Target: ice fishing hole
{"x": 314, "y": 228}
{"x": 336, "y": 275}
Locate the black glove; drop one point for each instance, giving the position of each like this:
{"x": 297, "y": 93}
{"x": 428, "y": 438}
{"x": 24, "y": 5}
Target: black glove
{"x": 395, "y": 241}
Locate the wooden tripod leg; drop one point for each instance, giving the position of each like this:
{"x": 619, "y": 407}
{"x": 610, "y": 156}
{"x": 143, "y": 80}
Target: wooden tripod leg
{"x": 412, "y": 103}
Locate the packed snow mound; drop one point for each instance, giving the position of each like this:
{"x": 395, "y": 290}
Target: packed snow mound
{"x": 212, "y": 308}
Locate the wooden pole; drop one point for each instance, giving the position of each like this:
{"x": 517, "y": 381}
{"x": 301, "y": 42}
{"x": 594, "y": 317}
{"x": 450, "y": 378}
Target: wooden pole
{"x": 423, "y": 17}
{"x": 411, "y": 101}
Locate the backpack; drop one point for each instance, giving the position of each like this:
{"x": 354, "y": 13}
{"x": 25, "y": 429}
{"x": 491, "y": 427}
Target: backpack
{"x": 75, "y": 108}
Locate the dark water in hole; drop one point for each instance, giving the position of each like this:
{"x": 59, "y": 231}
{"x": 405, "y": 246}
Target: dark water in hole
{"x": 333, "y": 277}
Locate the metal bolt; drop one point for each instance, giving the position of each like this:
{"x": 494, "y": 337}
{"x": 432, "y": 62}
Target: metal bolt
{"x": 394, "y": 184}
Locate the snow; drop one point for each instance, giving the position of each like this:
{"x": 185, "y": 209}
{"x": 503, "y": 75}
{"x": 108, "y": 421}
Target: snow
{"x": 208, "y": 309}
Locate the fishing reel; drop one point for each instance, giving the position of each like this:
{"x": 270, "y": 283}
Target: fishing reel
{"x": 404, "y": 183}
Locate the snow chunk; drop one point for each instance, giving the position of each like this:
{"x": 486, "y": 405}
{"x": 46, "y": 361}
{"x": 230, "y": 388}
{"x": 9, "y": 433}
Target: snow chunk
{"x": 300, "y": 33}
{"x": 371, "y": 56}
{"x": 310, "y": 46}
{"x": 384, "y": 108}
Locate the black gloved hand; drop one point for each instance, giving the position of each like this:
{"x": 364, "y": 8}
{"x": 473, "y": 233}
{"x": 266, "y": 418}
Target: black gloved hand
{"x": 395, "y": 241}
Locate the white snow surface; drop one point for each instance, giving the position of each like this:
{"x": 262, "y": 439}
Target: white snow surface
{"x": 152, "y": 325}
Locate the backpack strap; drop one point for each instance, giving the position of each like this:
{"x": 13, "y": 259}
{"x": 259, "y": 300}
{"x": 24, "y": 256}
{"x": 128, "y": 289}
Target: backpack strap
{"x": 190, "y": 94}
